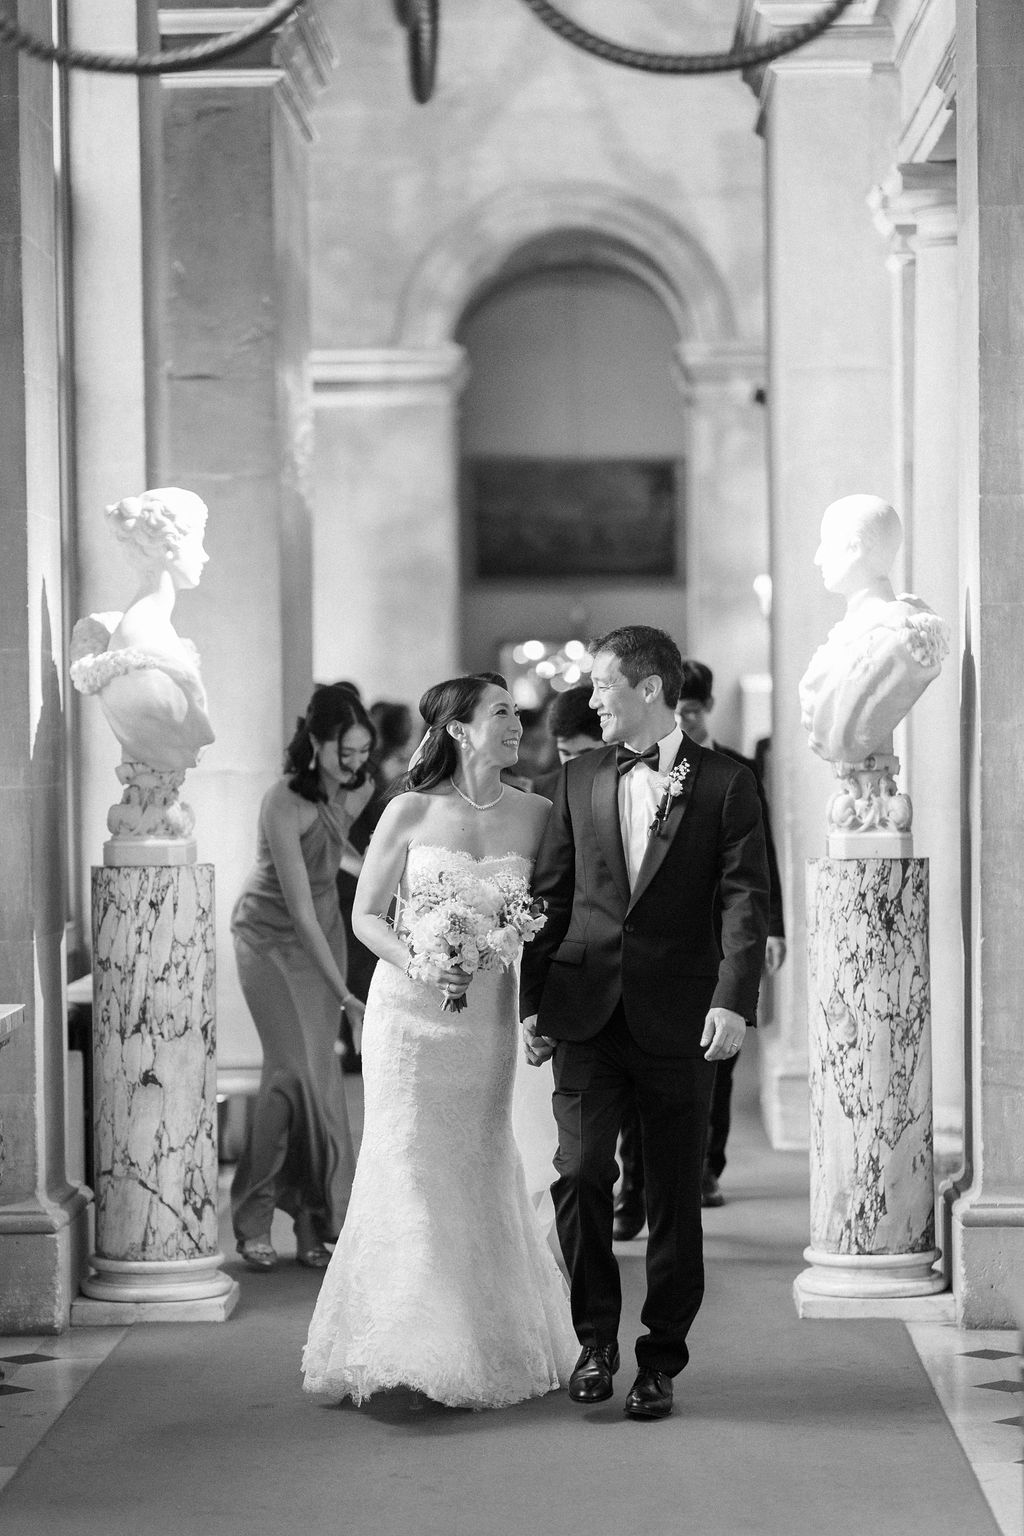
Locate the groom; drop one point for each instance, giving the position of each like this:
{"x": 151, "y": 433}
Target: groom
{"x": 646, "y": 974}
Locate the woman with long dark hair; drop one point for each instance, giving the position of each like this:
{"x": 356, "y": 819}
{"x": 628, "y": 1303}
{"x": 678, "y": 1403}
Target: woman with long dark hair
{"x": 442, "y": 1280}
{"x": 291, "y": 953}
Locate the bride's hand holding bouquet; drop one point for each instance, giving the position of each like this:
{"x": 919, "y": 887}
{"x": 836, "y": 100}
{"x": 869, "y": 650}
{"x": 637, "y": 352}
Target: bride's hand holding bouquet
{"x": 456, "y": 924}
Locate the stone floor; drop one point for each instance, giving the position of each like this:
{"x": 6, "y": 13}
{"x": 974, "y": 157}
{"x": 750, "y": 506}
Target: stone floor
{"x": 975, "y": 1376}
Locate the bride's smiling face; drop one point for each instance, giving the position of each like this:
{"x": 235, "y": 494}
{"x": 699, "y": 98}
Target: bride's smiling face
{"x": 495, "y": 730}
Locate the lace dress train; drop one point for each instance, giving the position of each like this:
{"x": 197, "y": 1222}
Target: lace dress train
{"x": 442, "y": 1279}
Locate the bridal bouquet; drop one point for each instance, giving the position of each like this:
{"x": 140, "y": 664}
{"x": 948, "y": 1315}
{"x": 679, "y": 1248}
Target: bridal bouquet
{"x": 470, "y": 921}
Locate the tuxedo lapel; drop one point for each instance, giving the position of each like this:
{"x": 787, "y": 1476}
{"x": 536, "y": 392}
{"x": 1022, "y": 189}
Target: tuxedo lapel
{"x": 659, "y": 843}
{"x": 605, "y": 810}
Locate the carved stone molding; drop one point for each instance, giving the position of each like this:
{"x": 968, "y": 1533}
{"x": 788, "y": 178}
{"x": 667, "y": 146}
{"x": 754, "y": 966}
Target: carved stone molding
{"x": 605, "y": 221}
{"x": 916, "y": 205}
{"x": 731, "y": 372}
{"x": 390, "y": 375}
{"x": 295, "y": 61}
{"x": 859, "y": 42}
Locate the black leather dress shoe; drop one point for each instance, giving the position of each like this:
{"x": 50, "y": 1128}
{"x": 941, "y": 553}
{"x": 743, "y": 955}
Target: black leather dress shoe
{"x": 710, "y": 1194}
{"x": 630, "y": 1215}
{"x": 591, "y": 1380}
{"x": 650, "y": 1396}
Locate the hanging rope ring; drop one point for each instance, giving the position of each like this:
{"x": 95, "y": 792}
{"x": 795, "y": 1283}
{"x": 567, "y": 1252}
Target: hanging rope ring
{"x": 421, "y": 20}
{"x": 685, "y": 63}
{"x": 171, "y": 62}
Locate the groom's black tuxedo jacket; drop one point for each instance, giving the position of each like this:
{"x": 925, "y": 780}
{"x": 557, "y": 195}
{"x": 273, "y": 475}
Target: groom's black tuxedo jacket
{"x": 690, "y": 936}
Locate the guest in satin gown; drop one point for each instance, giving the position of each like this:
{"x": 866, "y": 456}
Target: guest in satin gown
{"x": 292, "y": 965}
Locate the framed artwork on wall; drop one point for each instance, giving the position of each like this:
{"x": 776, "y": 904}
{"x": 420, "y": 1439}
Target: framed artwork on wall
{"x": 603, "y": 519}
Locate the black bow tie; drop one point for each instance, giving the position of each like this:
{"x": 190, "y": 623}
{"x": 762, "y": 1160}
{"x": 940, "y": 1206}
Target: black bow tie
{"x": 626, "y": 758}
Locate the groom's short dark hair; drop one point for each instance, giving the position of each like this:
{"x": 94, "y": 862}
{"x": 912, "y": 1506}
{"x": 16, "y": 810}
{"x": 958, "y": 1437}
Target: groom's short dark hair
{"x": 644, "y": 652}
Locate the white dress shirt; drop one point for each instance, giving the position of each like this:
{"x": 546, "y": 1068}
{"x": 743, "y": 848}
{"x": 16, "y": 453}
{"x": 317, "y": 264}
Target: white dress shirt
{"x": 640, "y": 792}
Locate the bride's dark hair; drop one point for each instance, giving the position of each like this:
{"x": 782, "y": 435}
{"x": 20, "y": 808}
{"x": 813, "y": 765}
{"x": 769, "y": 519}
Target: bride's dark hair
{"x": 455, "y": 699}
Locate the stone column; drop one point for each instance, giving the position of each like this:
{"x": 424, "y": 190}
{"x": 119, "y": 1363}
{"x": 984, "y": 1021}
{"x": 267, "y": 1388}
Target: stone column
{"x": 386, "y": 548}
{"x": 232, "y": 338}
{"x": 987, "y": 1205}
{"x": 872, "y": 1187}
{"x": 43, "y": 1219}
{"x": 726, "y": 519}
{"x": 829, "y": 123}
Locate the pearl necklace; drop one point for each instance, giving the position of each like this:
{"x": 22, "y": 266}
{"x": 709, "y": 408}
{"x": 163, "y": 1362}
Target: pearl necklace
{"x": 478, "y": 805}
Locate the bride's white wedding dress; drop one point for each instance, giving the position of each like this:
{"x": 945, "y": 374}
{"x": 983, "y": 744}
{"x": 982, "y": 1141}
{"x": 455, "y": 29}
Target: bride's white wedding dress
{"x": 442, "y": 1279}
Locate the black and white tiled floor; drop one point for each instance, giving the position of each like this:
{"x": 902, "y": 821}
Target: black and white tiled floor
{"x": 39, "y": 1376}
{"x": 978, "y": 1380}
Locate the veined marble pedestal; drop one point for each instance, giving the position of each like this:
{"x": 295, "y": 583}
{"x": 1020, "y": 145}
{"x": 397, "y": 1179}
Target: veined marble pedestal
{"x": 872, "y": 1188}
{"x": 154, "y": 1091}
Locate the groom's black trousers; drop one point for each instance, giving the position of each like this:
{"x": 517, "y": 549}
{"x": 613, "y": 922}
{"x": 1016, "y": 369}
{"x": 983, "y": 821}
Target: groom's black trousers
{"x": 594, "y": 1080}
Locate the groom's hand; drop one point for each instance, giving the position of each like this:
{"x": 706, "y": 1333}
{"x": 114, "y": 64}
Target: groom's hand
{"x": 724, "y": 1033}
{"x": 539, "y": 1048}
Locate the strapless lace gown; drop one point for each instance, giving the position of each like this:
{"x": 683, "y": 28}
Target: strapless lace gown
{"x": 442, "y": 1279}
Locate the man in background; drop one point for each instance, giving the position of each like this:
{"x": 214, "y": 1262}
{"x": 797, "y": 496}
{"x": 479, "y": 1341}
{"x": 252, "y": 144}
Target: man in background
{"x": 574, "y": 727}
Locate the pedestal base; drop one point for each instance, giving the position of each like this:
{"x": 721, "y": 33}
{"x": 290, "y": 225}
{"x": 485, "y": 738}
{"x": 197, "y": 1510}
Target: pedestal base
{"x": 89, "y": 1313}
{"x": 938, "y": 1308}
{"x": 140, "y": 1280}
{"x": 868, "y": 1276}
{"x": 169, "y": 1291}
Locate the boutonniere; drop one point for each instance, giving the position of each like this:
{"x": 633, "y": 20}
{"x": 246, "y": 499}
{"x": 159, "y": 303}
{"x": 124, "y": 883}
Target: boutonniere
{"x": 672, "y": 786}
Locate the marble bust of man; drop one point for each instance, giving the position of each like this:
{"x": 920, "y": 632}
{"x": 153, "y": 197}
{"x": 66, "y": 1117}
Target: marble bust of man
{"x": 883, "y": 653}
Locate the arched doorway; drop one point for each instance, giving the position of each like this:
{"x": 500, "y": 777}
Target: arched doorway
{"x": 573, "y": 444}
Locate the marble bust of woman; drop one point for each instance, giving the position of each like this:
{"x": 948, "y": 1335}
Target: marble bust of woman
{"x": 145, "y": 675}
{"x": 881, "y": 656}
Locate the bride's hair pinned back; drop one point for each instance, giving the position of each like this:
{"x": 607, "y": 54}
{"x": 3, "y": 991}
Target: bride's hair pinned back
{"x": 334, "y": 709}
{"x": 436, "y": 758}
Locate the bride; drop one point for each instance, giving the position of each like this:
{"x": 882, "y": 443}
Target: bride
{"x": 442, "y": 1280}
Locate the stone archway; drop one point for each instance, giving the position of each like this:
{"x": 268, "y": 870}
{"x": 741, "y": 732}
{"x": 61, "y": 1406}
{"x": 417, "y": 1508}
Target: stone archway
{"x": 614, "y": 227}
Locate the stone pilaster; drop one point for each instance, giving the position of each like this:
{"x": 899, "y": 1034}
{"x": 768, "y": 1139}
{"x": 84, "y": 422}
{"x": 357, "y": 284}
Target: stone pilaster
{"x": 828, "y": 118}
{"x": 112, "y": 168}
{"x": 872, "y": 1190}
{"x": 987, "y": 1205}
{"x": 43, "y": 1218}
{"x": 232, "y": 337}
{"x": 387, "y": 557}
{"x": 726, "y": 518}
{"x": 920, "y": 199}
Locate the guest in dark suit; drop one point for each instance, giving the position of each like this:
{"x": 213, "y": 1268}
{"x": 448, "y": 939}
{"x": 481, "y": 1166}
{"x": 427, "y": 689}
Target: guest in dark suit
{"x": 646, "y": 974}
{"x": 574, "y": 728}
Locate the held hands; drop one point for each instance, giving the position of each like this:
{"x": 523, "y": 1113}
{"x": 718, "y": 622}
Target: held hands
{"x": 724, "y": 1033}
{"x": 539, "y": 1048}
